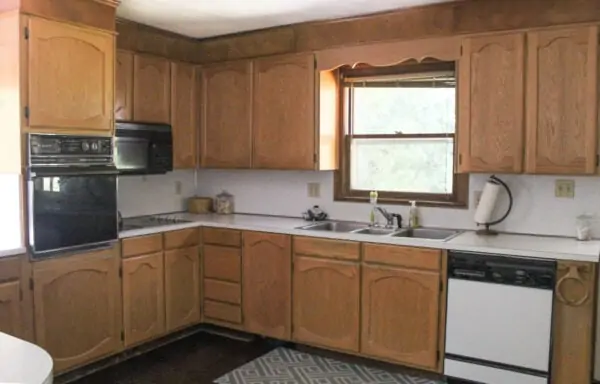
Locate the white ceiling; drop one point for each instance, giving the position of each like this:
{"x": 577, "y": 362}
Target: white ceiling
{"x": 206, "y": 18}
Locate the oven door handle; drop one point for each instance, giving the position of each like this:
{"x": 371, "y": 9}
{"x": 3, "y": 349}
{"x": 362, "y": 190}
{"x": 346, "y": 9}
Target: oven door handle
{"x": 73, "y": 172}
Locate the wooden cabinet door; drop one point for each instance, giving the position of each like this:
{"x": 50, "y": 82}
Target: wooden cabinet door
{"x": 71, "y": 77}
{"x": 562, "y": 101}
{"x": 183, "y": 115}
{"x": 400, "y": 315}
{"x": 10, "y": 308}
{"x": 182, "y": 287}
{"x": 267, "y": 284}
{"x": 143, "y": 298}
{"x": 284, "y": 113}
{"x": 77, "y": 301}
{"x": 491, "y": 103}
{"x": 151, "y": 89}
{"x": 124, "y": 86}
{"x": 226, "y": 115}
{"x": 326, "y": 303}
{"x": 573, "y": 322}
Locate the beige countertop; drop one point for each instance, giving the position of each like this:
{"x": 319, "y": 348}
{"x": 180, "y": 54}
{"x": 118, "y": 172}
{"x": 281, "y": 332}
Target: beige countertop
{"x": 556, "y": 248}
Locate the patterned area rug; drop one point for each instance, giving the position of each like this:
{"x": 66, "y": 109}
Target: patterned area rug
{"x": 286, "y": 366}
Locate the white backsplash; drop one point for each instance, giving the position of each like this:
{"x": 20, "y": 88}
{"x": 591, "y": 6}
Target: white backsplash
{"x": 152, "y": 194}
{"x": 535, "y": 211}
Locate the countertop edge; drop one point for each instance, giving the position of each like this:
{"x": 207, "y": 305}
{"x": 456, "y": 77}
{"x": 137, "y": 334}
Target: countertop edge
{"x": 447, "y": 245}
{"x": 12, "y": 252}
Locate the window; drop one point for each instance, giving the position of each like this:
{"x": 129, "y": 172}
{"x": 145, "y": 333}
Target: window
{"x": 10, "y": 212}
{"x": 399, "y": 135}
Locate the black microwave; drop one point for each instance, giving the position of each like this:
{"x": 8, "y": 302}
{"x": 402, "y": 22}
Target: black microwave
{"x": 143, "y": 148}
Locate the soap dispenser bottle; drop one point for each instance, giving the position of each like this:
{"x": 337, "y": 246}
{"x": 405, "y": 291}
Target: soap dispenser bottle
{"x": 413, "y": 215}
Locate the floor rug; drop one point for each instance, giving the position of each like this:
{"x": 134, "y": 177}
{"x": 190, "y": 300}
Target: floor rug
{"x": 287, "y": 366}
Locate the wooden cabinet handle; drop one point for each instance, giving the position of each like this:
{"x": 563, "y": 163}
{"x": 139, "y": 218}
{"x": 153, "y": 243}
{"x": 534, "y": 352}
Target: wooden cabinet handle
{"x": 572, "y": 274}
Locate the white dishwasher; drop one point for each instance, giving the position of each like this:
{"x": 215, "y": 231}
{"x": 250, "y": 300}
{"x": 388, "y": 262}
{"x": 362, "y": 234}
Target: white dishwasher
{"x": 499, "y": 314}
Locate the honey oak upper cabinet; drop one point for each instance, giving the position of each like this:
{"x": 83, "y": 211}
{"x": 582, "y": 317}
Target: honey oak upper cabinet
{"x": 143, "y": 298}
{"x": 326, "y": 304}
{"x": 226, "y": 115}
{"x": 400, "y": 315}
{"x": 562, "y": 101}
{"x": 491, "y": 103}
{"x": 77, "y": 306}
{"x": 267, "y": 282}
{"x": 71, "y": 78}
{"x": 151, "y": 89}
{"x": 182, "y": 287}
{"x": 10, "y": 308}
{"x": 184, "y": 116}
{"x": 124, "y": 86}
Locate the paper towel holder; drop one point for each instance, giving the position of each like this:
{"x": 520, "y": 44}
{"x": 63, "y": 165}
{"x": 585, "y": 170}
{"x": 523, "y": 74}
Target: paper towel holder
{"x": 487, "y": 231}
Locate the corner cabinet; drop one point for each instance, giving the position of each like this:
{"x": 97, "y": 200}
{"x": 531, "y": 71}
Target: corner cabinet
{"x": 71, "y": 78}
{"x": 151, "y": 89}
{"x": 326, "y": 304}
{"x": 400, "y": 315}
{"x": 491, "y": 104}
{"x": 124, "y": 86}
{"x": 267, "y": 282}
{"x": 562, "y": 99}
{"x": 184, "y": 119}
{"x": 227, "y": 115}
{"x": 77, "y": 306}
{"x": 182, "y": 287}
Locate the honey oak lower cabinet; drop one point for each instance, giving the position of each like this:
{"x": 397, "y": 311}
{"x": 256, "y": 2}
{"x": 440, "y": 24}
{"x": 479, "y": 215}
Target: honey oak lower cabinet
{"x": 267, "y": 280}
{"x": 182, "y": 287}
{"x": 326, "y": 303}
{"x": 573, "y": 322}
{"x": 400, "y": 312}
{"x": 77, "y": 301}
{"x": 143, "y": 298}
{"x": 10, "y": 308}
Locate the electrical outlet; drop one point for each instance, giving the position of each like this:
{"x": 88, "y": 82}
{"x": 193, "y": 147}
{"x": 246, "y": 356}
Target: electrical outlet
{"x": 314, "y": 189}
{"x": 564, "y": 188}
{"x": 178, "y": 188}
{"x": 477, "y": 197}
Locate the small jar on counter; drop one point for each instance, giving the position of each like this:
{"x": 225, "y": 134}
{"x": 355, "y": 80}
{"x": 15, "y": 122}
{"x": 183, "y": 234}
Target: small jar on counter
{"x": 584, "y": 227}
{"x": 224, "y": 203}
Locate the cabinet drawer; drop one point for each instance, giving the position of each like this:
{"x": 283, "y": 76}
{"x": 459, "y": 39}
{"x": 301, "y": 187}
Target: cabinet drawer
{"x": 219, "y": 236}
{"x": 333, "y": 249}
{"x": 223, "y": 311}
{"x": 141, "y": 245}
{"x": 420, "y": 258}
{"x": 182, "y": 238}
{"x": 222, "y": 263}
{"x": 222, "y": 291}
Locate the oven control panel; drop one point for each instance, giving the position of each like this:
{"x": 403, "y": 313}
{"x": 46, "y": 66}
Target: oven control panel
{"x": 69, "y": 150}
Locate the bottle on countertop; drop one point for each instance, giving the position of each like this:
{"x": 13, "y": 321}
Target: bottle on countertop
{"x": 413, "y": 215}
{"x": 373, "y": 195}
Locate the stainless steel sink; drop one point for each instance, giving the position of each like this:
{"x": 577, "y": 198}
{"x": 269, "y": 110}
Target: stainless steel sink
{"x": 334, "y": 226}
{"x": 427, "y": 233}
{"x": 375, "y": 231}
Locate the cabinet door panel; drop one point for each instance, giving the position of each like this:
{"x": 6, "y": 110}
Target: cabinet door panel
{"x": 266, "y": 276}
{"x": 71, "y": 77}
{"x": 124, "y": 86}
{"x": 77, "y": 303}
{"x": 10, "y": 308}
{"x": 284, "y": 113}
{"x": 143, "y": 298}
{"x": 226, "y": 117}
{"x": 400, "y": 315}
{"x": 326, "y": 303}
{"x": 182, "y": 287}
{"x": 491, "y": 97}
{"x": 151, "y": 89}
{"x": 562, "y": 101}
{"x": 183, "y": 115}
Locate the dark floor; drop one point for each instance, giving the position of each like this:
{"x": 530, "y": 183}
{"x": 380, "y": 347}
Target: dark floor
{"x": 197, "y": 359}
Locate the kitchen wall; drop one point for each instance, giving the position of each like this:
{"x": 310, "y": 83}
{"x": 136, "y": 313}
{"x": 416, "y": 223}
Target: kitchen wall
{"x": 147, "y": 195}
{"x": 535, "y": 210}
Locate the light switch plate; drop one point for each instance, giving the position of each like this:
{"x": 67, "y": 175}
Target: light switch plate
{"x": 564, "y": 188}
{"x": 178, "y": 188}
{"x": 314, "y": 189}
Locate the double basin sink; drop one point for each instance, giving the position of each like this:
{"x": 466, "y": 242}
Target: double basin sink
{"x": 358, "y": 228}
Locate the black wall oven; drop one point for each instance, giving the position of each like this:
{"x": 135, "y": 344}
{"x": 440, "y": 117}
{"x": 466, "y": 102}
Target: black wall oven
{"x": 72, "y": 194}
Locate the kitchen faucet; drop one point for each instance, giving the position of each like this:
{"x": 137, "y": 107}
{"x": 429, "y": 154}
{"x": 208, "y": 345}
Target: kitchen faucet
{"x": 389, "y": 217}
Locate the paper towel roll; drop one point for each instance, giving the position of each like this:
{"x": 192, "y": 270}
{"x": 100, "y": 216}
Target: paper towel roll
{"x": 487, "y": 202}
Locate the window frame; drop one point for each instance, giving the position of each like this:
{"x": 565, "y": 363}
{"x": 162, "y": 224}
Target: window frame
{"x": 342, "y": 191}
